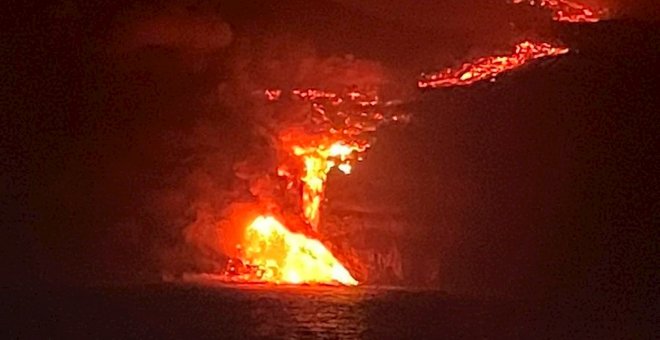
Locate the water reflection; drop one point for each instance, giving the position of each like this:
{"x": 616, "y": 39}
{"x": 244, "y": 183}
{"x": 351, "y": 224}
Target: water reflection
{"x": 210, "y": 310}
{"x": 305, "y": 312}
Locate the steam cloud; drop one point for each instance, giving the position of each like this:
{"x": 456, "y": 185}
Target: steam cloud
{"x": 193, "y": 90}
{"x": 274, "y": 62}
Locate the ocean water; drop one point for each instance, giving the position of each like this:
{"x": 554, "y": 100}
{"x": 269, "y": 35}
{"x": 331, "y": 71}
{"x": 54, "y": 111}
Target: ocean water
{"x": 209, "y": 310}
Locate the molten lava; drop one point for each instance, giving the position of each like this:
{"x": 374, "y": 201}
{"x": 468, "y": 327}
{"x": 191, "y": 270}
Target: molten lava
{"x": 335, "y": 134}
{"x": 280, "y": 256}
{"x": 567, "y": 11}
{"x": 489, "y": 67}
{"x": 337, "y": 137}
{"x": 318, "y": 161}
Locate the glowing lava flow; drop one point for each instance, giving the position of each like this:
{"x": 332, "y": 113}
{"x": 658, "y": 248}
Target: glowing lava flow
{"x": 341, "y": 126}
{"x": 335, "y": 134}
{"x": 567, "y": 11}
{"x": 318, "y": 161}
{"x": 489, "y": 67}
{"x": 280, "y": 256}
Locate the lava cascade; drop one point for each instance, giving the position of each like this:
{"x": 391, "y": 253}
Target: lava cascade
{"x": 336, "y": 133}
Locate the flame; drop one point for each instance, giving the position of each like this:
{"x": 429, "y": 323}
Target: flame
{"x": 566, "y": 11}
{"x": 280, "y": 256}
{"x": 490, "y": 67}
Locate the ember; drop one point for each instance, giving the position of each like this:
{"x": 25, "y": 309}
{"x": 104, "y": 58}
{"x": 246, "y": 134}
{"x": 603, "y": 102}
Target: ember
{"x": 568, "y": 11}
{"x": 491, "y": 66}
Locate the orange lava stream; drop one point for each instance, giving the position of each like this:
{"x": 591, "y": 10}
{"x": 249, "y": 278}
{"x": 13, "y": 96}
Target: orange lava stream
{"x": 489, "y": 67}
{"x": 342, "y": 123}
{"x": 318, "y": 162}
{"x": 567, "y": 11}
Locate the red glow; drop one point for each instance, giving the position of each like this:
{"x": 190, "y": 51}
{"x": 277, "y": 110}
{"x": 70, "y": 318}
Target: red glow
{"x": 489, "y": 67}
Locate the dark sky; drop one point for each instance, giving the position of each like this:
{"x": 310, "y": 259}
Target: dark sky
{"x": 542, "y": 183}
{"x": 457, "y": 13}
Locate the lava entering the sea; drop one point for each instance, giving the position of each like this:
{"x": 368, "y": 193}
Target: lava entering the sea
{"x": 272, "y": 253}
{"x": 491, "y": 66}
{"x": 335, "y": 134}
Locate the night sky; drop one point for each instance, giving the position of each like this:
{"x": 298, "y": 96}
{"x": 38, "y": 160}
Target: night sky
{"x": 544, "y": 183}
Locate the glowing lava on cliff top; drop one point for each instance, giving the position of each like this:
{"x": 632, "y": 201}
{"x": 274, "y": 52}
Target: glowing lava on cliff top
{"x": 491, "y": 66}
{"x": 567, "y": 11}
{"x": 335, "y": 134}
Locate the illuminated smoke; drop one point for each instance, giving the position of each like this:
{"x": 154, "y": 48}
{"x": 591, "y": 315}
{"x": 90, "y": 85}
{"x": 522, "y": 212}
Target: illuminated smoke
{"x": 307, "y": 115}
{"x": 336, "y": 133}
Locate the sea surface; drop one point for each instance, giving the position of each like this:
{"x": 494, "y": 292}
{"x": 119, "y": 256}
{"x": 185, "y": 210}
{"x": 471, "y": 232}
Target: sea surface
{"x": 212, "y": 310}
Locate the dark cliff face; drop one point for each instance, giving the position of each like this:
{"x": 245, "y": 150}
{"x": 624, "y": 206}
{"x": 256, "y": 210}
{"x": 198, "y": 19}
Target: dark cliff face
{"x": 540, "y": 183}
